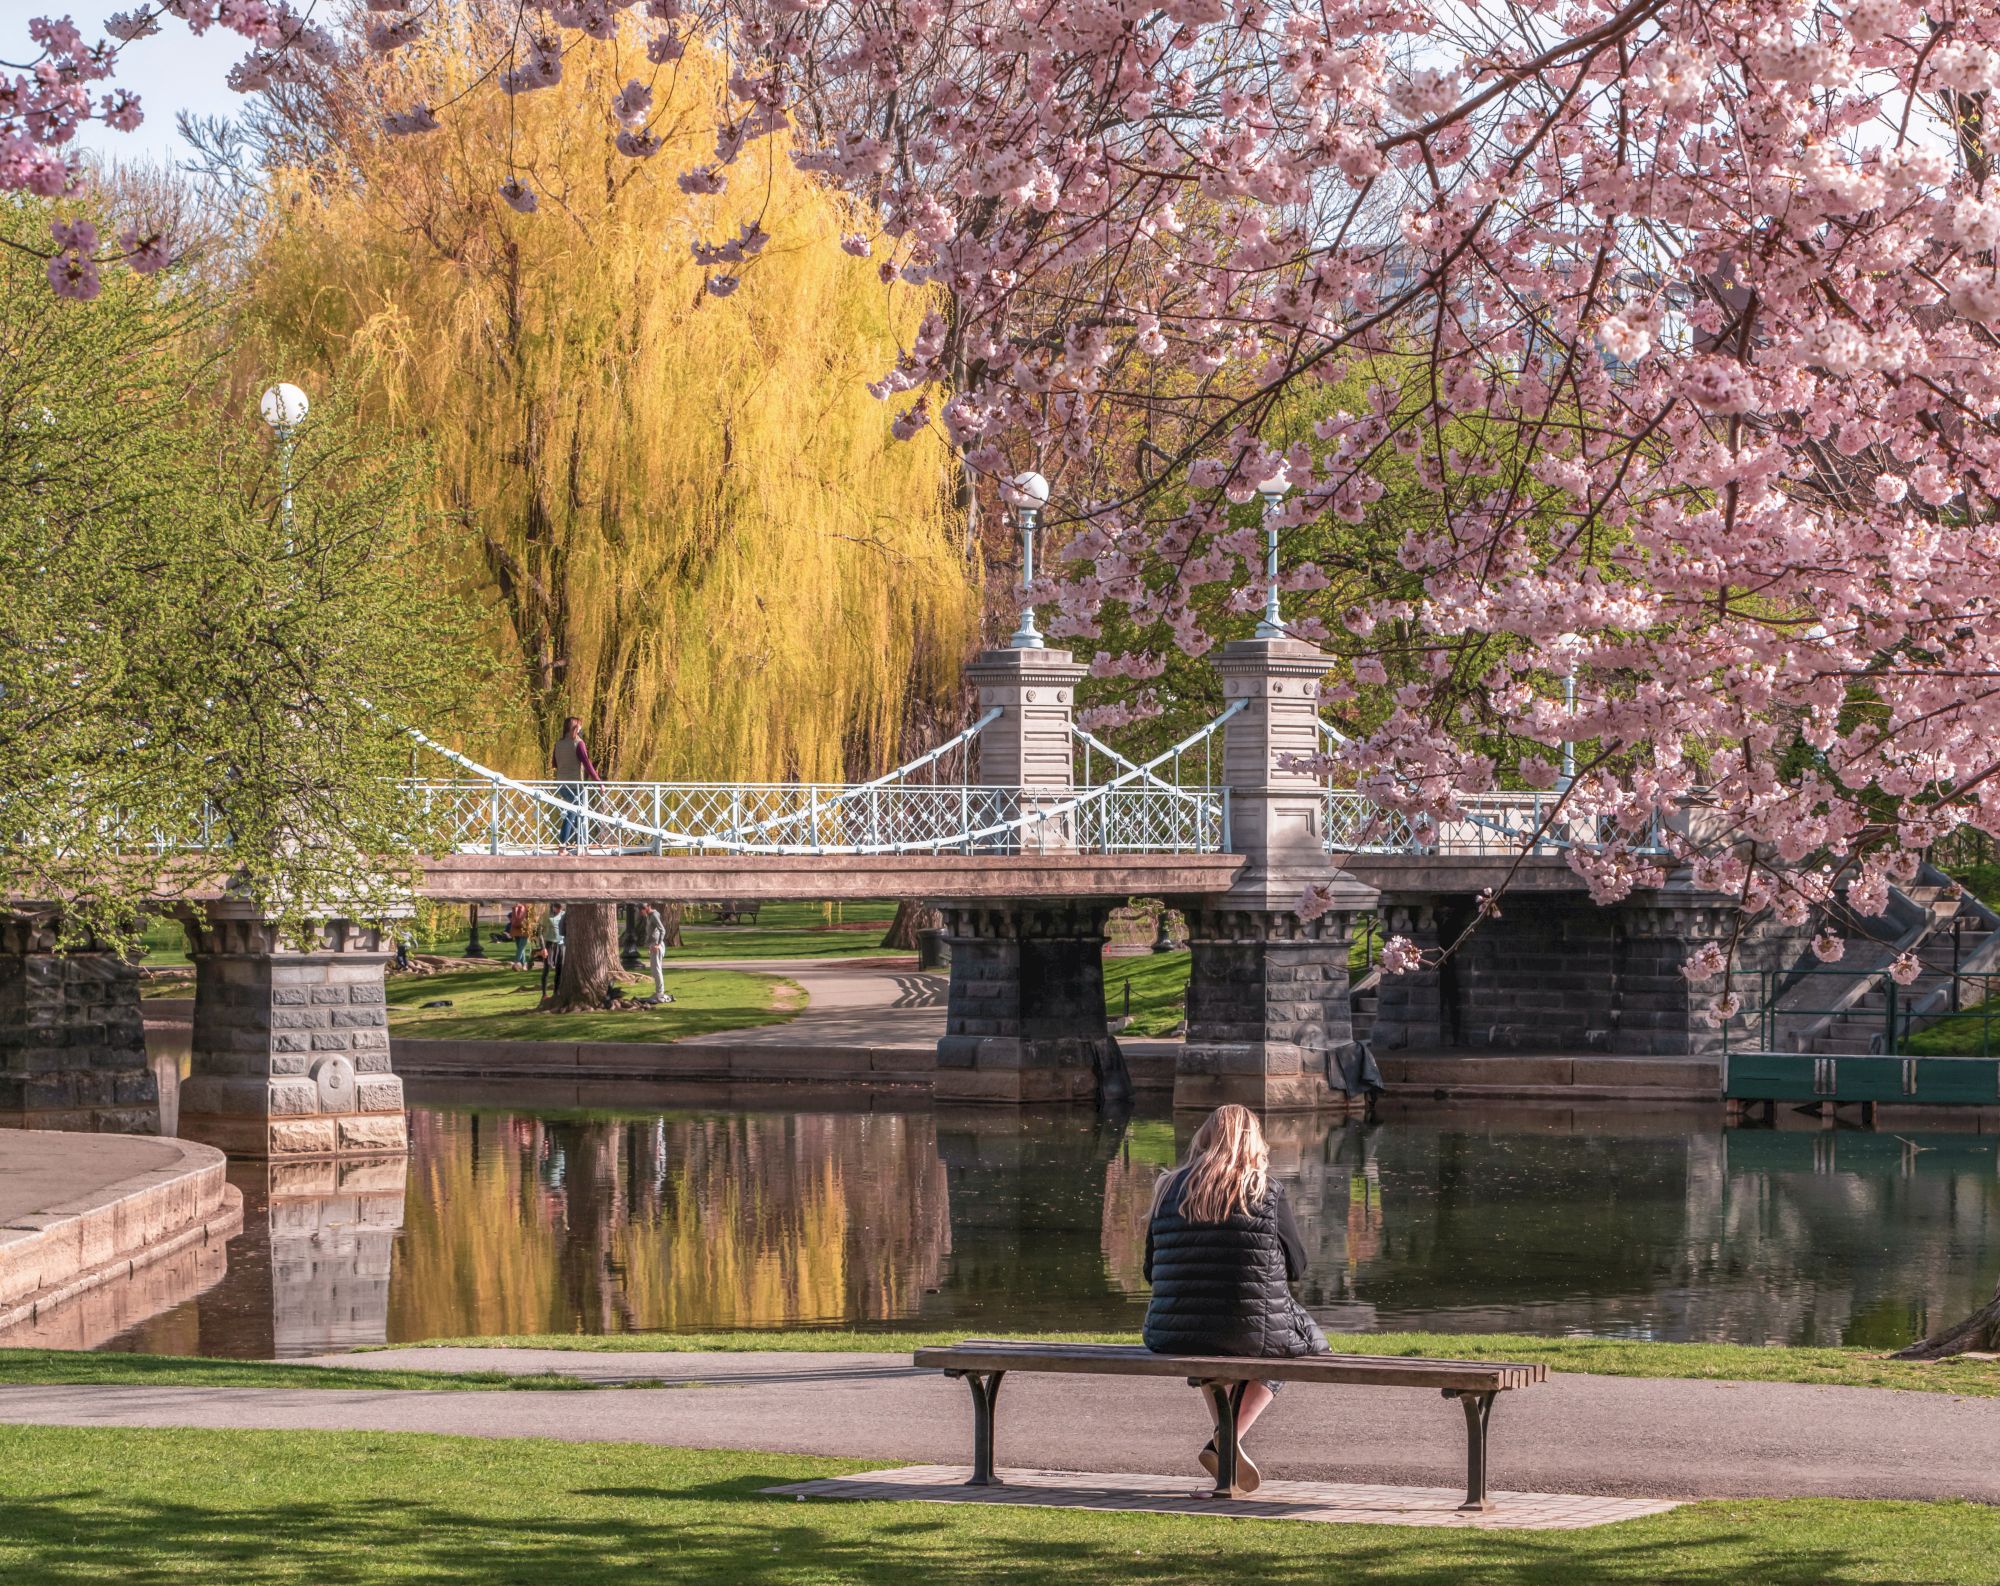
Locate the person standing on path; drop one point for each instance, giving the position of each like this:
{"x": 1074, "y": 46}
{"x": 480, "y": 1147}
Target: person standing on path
{"x": 655, "y": 930}
{"x": 573, "y": 765}
{"x": 1222, "y": 1251}
{"x": 552, "y": 946}
{"x": 517, "y": 931}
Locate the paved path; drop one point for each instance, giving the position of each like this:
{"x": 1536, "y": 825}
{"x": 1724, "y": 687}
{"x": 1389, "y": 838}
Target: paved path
{"x": 1619, "y": 1436}
{"x": 847, "y": 1005}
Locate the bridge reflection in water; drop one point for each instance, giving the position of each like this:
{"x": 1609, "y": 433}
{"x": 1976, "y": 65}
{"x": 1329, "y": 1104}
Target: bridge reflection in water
{"x": 532, "y": 1218}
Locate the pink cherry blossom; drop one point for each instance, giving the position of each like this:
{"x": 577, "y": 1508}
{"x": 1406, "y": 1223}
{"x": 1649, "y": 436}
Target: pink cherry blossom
{"x": 1648, "y": 346}
{"x": 147, "y": 252}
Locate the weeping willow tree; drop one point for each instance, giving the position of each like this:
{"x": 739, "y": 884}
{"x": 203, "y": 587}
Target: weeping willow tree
{"x": 687, "y": 512}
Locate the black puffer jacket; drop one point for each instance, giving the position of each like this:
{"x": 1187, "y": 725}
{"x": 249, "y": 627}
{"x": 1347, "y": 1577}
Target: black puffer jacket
{"x": 1224, "y": 1288}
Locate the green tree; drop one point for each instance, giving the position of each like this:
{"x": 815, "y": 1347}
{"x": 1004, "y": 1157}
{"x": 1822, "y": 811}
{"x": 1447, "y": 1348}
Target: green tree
{"x": 198, "y": 683}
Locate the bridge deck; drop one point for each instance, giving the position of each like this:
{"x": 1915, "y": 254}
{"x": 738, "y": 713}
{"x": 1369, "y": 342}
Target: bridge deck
{"x": 612, "y": 877}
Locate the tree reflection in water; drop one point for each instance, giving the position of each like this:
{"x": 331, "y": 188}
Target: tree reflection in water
{"x": 606, "y": 1224}
{"x": 520, "y": 1219}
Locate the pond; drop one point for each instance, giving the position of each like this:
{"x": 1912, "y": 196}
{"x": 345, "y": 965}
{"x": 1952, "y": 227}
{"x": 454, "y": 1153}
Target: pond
{"x": 514, "y": 1218}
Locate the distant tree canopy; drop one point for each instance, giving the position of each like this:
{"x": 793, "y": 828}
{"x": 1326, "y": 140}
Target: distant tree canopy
{"x": 181, "y": 657}
{"x": 686, "y": 510}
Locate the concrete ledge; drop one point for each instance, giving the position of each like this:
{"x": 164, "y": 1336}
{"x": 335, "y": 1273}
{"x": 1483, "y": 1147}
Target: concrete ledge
{"x": 1535, "y": 1077}
{"x": 1151, "y": 1063}
{"x": 110, "y": 1205}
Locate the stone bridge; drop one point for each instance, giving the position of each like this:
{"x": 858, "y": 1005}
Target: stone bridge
{"x": 1026, "y": 849}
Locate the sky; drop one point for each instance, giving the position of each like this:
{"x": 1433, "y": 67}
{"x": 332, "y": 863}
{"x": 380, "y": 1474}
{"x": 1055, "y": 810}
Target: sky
{"x": 171, "y": 71}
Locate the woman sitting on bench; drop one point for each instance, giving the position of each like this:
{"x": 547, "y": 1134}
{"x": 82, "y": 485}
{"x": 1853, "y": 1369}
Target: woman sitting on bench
{"x": 1222, "y": 1250}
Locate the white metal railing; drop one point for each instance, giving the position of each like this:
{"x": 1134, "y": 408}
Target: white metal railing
{"x": 1136, "y": 811}
{"x": 1171, "y": 769}
{"x": 1487, "y": 824}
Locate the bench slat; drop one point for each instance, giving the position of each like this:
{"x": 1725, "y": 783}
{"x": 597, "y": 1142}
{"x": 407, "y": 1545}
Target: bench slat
{"x": 1135, "y": 1360}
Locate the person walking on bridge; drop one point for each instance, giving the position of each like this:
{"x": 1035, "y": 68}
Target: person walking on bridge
{"x": 572, "y": 764}
{"x": 656, "y": 950}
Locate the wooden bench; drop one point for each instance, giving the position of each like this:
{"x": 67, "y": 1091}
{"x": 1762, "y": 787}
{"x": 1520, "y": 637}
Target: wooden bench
{"x": 981, "y": 1363}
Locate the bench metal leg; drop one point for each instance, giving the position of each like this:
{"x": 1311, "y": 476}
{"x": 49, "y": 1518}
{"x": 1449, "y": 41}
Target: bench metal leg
{"x": 1224, "y": 1400}
{"x": 985, "y": 1386}
{"x": 1478, "y": 1411}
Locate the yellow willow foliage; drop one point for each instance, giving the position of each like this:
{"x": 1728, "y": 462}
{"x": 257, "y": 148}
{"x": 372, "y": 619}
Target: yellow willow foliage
{"x": 689, "y": 514}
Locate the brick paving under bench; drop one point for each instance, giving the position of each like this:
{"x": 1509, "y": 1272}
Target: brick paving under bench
{"x": 1328, "y": 1502}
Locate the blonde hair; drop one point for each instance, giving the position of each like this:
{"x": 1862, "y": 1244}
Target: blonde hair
{"x": 1228, "y": 1168}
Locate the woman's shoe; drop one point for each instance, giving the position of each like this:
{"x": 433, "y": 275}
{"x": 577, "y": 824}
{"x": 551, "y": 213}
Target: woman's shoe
{"x": 1248, "y": 1477}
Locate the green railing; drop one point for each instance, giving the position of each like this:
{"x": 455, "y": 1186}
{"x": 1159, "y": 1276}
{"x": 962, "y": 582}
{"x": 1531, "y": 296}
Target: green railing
{"x": 1959, "y": 1018}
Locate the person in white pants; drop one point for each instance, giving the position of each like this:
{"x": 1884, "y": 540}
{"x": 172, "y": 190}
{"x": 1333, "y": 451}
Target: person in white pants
{"x": 656, "y": 950}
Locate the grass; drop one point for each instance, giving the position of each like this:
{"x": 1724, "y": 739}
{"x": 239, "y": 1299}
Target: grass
{"x": 28, "y": 1367}
{"x": 1982, "y": 880}
{"x": 1611, "y": 1357}
{"x": 87, "y": 1505}
{"x": 498, "y": 1004}
{"x": 795, "y": 930}
{"x": 1973, "y": 1033}
{"x": 166, "y": 943}
{"x": 1158, "y": 985}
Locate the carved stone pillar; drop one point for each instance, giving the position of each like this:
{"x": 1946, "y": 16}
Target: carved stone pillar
{"x": 1028, "y": 748}
{"x": 72, "y": 1038}
{"x": 291, "y": 1048}
{"x": 1268, "y": 1020}
{"x": 1268, "y": 1017}
{"x": 1025, "y": 1018}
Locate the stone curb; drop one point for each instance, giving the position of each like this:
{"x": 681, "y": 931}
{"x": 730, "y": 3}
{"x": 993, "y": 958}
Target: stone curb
{"x": 1151, "y": 1062}
{"x": 62, "y": 1251}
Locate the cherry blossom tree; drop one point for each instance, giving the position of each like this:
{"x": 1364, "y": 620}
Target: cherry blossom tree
{"x": 1683, "y": 311}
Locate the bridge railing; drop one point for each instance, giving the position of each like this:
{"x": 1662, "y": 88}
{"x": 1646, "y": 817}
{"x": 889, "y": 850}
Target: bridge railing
{"x": 1488, "y": 824}
{"x": 502, "y": 816}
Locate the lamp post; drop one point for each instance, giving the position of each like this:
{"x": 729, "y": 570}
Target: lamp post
{"x": 1569, "y": 744}
{"x": 284, "y": 408}
{"x": 1272, "y": 489}
{"x": 1029, "y": 493}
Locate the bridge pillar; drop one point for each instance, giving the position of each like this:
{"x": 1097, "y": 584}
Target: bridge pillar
{"x": 1025, "y": 1016}
{"x": 1028, "y": 747}
{"x": 1410, "y": 1008}
{"x": 291, "y": 1047}
{"x": 72, "y": 1038}
{"x": 1268, "y": 1021}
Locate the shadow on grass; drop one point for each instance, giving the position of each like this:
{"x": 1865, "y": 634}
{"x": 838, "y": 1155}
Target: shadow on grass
{"x": 725, "y": 1531}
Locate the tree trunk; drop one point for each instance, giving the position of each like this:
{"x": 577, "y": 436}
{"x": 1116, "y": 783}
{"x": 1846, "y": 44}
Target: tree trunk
{"x": 590, "y": 958}
{"x": 670, "y": 917}
{"x": 912, "y": 916}
{"x": 1979, "y": 1331}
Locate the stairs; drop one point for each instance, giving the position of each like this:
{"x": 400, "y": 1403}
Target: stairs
{"x": 1362, "y": 997}
{"x": 1844, "y": 1010}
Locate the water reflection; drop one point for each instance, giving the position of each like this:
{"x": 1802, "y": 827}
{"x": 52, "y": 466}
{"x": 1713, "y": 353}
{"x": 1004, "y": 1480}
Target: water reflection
{"x": 542, "y": 1219}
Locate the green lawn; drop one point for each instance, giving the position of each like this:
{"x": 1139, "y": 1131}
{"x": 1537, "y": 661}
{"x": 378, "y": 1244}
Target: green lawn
{"x": 90, "y": 1505}
{"x": 1159, "y": 991}
{"x": 166, "y": 943}
{"x": 1973, "y": 1033}
{"x": 1981, "y": 880}
{"x": 1611, "y": 1357}
{"x": 497, "y": 1003}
